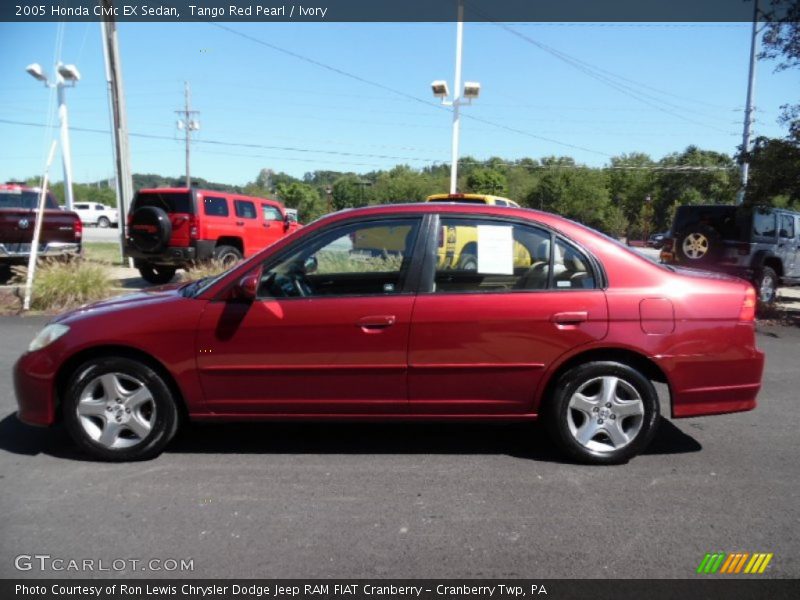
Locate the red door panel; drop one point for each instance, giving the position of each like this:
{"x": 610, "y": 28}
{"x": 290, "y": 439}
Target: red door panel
{"x": 486, "y": 352}
{"x": 306, "y": 356}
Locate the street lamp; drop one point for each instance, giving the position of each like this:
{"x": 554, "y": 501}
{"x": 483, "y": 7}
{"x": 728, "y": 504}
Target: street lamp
{"x": 66, "y": 75}
{"x": 471, "y": 91}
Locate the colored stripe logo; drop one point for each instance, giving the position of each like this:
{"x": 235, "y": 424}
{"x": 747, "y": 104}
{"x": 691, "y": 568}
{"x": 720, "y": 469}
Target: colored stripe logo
{"x": 734, "y": 563}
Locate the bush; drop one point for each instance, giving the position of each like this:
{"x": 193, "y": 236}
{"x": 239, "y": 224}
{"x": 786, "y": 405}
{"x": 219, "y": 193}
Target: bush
{"x": 209, "y": 268}
{"x": 63, "y": 285}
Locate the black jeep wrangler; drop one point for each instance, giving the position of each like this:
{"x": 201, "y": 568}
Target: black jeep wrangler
{"x": 756, "y": 243}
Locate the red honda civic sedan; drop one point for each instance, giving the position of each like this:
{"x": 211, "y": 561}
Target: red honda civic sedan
{"x": 419, "y": 311}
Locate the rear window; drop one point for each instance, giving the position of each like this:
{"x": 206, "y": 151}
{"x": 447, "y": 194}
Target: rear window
{"x": 25, "y": 199}
{"x": 727, "y": 221}
{"x": 460, "y": 200}
{"x": 764, "y": 224}
{"x": 171, "y": 202}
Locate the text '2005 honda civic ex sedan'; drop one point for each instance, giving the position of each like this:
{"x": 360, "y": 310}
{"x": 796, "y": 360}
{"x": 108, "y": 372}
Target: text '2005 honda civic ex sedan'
{"x": 417, "y": 311}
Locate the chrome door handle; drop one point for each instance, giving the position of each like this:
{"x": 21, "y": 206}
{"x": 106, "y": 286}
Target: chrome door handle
{"x": 376, "y": 323}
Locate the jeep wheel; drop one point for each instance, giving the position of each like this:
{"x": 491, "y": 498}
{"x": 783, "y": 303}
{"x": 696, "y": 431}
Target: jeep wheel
{"x": 103, "y": 222}
{"x": 227, "y": 256}
{"x": 156, "y": 274}
{"x": 698, "y": 244}
{"x": 766, "y": 284}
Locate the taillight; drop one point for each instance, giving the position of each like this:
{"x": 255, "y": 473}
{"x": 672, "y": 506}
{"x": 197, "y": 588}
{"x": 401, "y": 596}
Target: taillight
{"x": 78, "y": 230}
{"x": 192, "y": 228}
{"x": 748, "y": 312}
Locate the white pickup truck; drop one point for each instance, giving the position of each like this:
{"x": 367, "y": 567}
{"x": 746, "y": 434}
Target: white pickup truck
{"x": 92, "y": 213}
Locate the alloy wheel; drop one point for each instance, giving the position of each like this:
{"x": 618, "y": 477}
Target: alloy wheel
{"x": 116, "y": 410}
{"x": 695, "y": 246}
{"x": 605, "y": 414}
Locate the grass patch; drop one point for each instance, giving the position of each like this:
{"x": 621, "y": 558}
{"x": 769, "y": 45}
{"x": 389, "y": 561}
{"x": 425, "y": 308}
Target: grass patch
{"x": 61, "y": 286}
{"x": 106, "y": 253}
{"x": 209, "y": 268}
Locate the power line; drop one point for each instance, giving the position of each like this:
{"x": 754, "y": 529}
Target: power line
{"x": 400, "y": 92}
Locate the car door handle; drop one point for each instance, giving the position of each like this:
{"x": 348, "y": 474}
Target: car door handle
{"x": 240, "y": 223}
{"x": 570, "y": 318}
{"x": 375, "y": 323}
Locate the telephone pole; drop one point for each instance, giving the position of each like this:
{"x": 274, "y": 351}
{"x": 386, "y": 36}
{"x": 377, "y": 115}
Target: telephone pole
{"x": 119, "y": 119}
{"x": 188, "y": 123}
{"x": 748, "y": 111}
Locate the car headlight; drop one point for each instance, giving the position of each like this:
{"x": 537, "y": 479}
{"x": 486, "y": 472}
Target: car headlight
{"x": 47, "y": 336}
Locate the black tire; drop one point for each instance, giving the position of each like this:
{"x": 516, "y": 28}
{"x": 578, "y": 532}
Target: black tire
{"x": 227, "y": 255}
{"x": 698, "y": 245}
{"x": 150, "y": 229}
{"x": 766, "y": 284}
{"x": 156, "y": 274}
{"x": 103, "y": 222}
{"x": 85, "y": 389}
{"x": 600, "y": 448}
{"x": 468, "y": 262}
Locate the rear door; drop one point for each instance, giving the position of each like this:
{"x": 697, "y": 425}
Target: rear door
{"x": 484, "y": 332}
{"x": 247, "y": 223}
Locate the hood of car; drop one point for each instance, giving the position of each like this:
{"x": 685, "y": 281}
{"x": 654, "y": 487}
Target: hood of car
{"x": 148, "y": 297}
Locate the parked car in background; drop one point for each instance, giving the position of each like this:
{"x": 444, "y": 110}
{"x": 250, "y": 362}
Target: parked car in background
{"x": 61, "y": 231}
{"x": 760, "y": 244}
{"x": 171, "y": 228}
{"x": 472, "y": 199}
{"x": 313, "y": 328}
{"x": 96, "y": 214}
{"x": 656, "y": 240}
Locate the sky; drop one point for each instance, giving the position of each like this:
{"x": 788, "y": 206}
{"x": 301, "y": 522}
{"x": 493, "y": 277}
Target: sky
{"x": 639, "y": 87}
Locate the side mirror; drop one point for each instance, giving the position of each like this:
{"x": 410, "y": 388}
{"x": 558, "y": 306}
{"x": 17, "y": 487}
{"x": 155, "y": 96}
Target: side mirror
{"x": 286, "y": 222}
{"x": 247, "y": 287}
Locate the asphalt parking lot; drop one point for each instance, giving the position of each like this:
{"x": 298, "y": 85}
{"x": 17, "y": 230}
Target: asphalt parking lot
{"x": 468, "y": 501}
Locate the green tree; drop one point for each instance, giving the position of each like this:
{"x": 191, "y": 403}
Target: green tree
{"x": 781, "y": 41}
{"x": 774, "y": 173}
{"x": 305, "y": 198}
{"x": 487, "y": 180}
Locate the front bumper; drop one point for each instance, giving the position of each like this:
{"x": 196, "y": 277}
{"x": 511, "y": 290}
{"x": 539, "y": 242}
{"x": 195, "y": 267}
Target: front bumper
{"x": 34, "y": 377}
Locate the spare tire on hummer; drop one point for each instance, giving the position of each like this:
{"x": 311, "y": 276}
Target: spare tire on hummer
{"x": 150, "y": 229}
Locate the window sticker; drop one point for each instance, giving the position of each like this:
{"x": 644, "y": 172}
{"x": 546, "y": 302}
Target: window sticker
{"x": 495, "y": 249}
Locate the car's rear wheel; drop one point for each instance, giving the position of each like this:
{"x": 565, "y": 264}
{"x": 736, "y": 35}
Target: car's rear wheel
{"x": 103, "y": 222}
{"x": 227, "y": 255}
{"x": 156, "y": 274}
{"x": 766, "y": 284}
{"x": 119, "y": 409}
{"x": 603, "y": 412}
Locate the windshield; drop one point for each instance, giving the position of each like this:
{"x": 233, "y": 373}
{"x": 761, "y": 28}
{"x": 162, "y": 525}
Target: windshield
{"x": 25, "y": 199}
{"x": 171, "y": 202}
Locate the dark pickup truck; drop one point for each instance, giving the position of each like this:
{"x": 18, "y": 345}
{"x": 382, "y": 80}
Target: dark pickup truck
{"x": 61, "y": 230}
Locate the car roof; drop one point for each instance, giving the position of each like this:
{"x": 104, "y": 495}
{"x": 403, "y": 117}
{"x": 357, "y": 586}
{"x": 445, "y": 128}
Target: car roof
{"x": 184, "y": 190}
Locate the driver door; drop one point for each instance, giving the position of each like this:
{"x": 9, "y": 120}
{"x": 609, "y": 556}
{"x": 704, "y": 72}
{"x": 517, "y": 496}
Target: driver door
{"x": 328, "y": 333}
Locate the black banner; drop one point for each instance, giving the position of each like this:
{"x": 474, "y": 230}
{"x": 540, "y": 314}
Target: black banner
{"x": 423, "y": 589}
{"x": 394, "y": 10}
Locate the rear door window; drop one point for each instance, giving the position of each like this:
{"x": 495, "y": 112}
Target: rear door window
{"x": 215, "y": 206}
{"x": 244, "y": 209}
{"x": 764, "y": 224}
{"x": 787, "y": 226}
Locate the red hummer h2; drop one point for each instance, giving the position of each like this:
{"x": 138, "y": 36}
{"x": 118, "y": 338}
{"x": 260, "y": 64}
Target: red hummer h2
{"x": 171, "y": 228}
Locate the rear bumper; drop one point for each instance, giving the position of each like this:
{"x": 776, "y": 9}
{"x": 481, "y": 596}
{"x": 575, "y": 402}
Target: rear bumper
{"x": 174, "y": 255}
{"x": 34, "y": 374}
{"x": 712, "y": 386}
{"x": 19, "y": 253}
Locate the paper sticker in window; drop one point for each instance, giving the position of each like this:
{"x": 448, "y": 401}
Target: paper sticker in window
{"x": 495, "y": 249}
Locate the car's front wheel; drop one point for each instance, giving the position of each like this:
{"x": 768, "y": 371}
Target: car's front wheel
{"x": 103, "y": 222}
{"x": 603, "y": 412}
{"x": 119, "y": 409}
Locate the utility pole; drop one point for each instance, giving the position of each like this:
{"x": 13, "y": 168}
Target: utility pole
{"x": 456, "y": 99}
{"x": 748, "y": 111}
{"x": 188, "y": 124}
{"x": 119, "y": 120}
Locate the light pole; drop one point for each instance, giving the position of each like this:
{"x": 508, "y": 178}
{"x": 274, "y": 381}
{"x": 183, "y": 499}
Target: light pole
{"x": 471, "y": 91}
{"x": 65, "y": 75}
